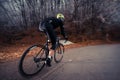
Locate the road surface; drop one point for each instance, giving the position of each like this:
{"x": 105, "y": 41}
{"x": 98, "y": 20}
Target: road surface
{"x": 100, "y": 62}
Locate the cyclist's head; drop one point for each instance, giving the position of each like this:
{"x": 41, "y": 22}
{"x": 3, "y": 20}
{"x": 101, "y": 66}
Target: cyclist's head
{"x": 60, "y": 16}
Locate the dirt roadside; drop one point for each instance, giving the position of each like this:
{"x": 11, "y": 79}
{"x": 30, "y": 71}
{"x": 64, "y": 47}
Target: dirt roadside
{"x": 14, "y": 51}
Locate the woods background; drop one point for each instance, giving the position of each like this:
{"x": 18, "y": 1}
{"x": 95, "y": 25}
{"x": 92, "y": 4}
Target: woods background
{"x": 87, "y": 19}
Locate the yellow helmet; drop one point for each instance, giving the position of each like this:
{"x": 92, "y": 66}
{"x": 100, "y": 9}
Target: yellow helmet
{"x": 60, "y": 16}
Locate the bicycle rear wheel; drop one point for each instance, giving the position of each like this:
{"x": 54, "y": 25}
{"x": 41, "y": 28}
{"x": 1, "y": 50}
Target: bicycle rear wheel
{"x": 32, "y": 60}
{"x": 59, "y": 53}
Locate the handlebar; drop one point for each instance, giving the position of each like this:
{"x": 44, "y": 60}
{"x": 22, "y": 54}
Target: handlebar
{"x": 65, "y": 41}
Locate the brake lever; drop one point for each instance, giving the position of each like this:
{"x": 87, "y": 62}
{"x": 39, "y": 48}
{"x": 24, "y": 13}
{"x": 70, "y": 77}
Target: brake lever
{"x": 65, "y": 41}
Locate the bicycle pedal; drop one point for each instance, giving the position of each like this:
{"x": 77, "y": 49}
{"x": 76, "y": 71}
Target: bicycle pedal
{"x": 46, "y": 63}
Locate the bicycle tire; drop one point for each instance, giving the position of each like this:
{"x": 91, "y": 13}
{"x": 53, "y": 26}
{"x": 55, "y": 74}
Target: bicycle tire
{"x": 59, "y": 52}
{"x": 27, "y": 54}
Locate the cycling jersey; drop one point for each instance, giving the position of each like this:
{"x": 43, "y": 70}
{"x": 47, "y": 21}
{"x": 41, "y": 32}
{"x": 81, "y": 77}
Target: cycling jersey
{"x": 54, "y": 22}
{"x": 48, "y": 25}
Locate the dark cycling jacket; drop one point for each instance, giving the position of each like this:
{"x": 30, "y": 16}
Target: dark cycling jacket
{"x": 54, "y": 22}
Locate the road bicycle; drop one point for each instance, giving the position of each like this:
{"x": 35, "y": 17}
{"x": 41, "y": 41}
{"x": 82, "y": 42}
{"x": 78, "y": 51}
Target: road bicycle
{"x": 34, "y": 58}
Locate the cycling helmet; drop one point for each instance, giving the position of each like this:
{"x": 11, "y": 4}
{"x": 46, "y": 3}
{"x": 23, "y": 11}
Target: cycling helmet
{"x": 60, "y": 16}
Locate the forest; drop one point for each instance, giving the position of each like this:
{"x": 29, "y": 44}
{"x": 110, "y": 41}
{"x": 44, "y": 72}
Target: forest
{"x": 87, "y": 19}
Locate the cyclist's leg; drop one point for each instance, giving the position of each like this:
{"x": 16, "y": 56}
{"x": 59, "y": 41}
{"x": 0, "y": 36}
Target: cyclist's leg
{"x": 52, "y": 36}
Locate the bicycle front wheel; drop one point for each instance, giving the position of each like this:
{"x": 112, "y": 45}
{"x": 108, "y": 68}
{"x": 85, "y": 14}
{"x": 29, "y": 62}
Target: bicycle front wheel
{"x": 32, "y": 60}
{"x": 59, "y": 53}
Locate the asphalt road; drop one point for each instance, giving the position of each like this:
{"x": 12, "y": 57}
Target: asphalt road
{"x": 100, "y": 62}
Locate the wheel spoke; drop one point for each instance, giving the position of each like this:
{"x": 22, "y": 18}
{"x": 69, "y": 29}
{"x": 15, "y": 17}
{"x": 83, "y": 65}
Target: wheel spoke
{"x": 32, "y": 61}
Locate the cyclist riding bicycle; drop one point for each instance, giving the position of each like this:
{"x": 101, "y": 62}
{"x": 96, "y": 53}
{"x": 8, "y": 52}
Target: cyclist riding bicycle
{"x": 48, "y": 26}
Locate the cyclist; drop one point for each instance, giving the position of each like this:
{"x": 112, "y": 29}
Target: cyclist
{"x": 48, "y": 26}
